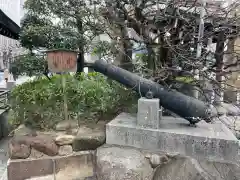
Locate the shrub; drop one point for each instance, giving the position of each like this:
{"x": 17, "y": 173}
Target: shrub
{"x": 39, "y": 103}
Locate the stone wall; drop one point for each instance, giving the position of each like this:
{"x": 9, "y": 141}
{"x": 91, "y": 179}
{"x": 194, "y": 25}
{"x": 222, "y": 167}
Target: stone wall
{"x": 121, "y": 163}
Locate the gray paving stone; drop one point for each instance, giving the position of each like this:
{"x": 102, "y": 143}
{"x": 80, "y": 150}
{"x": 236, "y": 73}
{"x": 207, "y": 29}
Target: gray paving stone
{"x": 4, "y": 158}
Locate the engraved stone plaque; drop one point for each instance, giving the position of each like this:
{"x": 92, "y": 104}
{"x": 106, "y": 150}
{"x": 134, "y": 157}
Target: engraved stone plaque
{"x": 148, "y": 113}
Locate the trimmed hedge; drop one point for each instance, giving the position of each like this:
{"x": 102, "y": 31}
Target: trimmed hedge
{"x": 39, "y": 103}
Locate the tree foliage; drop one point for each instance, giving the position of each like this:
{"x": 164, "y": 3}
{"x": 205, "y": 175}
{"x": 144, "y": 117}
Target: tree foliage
{"x": 55, "y": 24}
{"x": 36, "y": 32}
{"x": 178, "y": 41}
{"x": 29, "y": 65}
{"x": 168, "y": 31}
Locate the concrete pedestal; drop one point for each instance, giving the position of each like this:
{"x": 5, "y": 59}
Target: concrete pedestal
{"x": 174, "y": 135}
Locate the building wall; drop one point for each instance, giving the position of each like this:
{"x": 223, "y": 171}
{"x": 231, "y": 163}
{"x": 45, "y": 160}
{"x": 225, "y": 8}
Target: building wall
{"x": 12, "y": 9}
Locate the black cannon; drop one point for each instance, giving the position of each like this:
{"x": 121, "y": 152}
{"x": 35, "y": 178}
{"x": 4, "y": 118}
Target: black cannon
{"x": 187, "y": 107}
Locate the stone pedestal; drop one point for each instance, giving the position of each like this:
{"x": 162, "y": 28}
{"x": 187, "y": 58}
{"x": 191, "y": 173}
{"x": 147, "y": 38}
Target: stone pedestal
{"x": 206, "y": 141}
{"x": 148, "y": 113}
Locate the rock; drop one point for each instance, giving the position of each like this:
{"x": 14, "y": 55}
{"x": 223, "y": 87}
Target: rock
{"x": 89, "y": 138}
{"x": 221, "y": 110}
{"x": 90, "y": 178}
{"x": 52, "y": 134}
{"x": 181, "y": 168}
{"x": 44, "y": 144}
{"x": 228, "y": 109}
{"x": 36, "y": 154}
{"x": 22, "y": 130}
{"x": 74, "y": 131}
{"x": 65, "y": 150}
{"x": 63, "y": 125}
{"x": 157, "y": 159}
{"x": 75, "y": 172}
{"x": 232, "y": 122}
{"x": 117, "y": 163}
{"x": 18, "y": 149}
{"x": 103, "y": 123}
{"x": 237, "y": 134}
{"x": 221, "y": 171}
{"x": 64, "y": 140}
{"x": 231, "y": 109}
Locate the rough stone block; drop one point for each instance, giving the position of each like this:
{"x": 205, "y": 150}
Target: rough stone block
{"x": 121, "y": 163}
{"x": 206, "y": 141}
{"x": 148, "y": 113}
{"x": 75, "y": 161}
{"x": 76, "y": 165}
{"x": 24, "y": 169}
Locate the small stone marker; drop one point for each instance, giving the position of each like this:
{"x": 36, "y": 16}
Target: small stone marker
{"x": 148, "y": 113}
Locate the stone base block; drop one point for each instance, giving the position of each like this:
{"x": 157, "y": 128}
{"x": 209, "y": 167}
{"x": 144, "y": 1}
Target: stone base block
{"x": 71, "y": 167}
{"x": 214, "y": 142}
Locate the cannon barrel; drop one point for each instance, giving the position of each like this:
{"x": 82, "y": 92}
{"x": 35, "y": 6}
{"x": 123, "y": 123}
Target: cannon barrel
{"x": 180, "y": 104}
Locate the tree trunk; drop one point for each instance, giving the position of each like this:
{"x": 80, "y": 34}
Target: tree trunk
{"x": 80, "y": 59}
{"x": 126, "y": 59}
{"x": 164, "y": 50}
{"x": 219, "y": 66}
{"x": 151, "y": 64}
